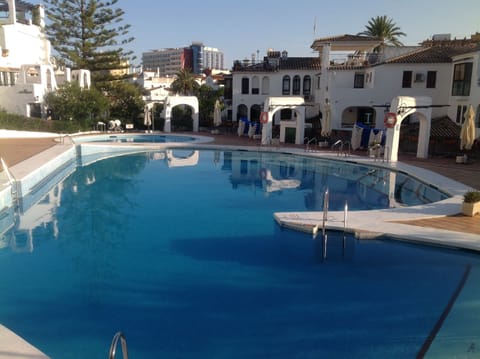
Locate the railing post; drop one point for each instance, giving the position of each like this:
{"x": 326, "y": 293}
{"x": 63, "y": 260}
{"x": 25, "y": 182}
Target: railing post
{"x": 325, "y": 210}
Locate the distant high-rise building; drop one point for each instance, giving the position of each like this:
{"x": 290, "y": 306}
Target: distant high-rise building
{"x": 167, "y": 62}
{"x": 196, "y": 58}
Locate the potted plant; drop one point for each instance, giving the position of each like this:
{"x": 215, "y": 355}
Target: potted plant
{"x": 471, "y": 203}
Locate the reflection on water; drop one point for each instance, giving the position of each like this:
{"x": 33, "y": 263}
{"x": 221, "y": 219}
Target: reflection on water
{"x": 112, "y": 182}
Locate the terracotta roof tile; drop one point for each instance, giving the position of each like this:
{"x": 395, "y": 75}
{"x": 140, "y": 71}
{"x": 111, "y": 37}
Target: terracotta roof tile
{"x": 289, "y": 63}
{"x": 434, "y": 54}
{"x": 440, "y": 127}
{"x": 347, "y": 38}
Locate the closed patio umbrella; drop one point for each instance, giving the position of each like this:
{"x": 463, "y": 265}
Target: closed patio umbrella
{"x": 217, "y": 114}
{"x": 326, "y": 120}
{"x": 467, "y": 133}
{"x": 147, "y": 117}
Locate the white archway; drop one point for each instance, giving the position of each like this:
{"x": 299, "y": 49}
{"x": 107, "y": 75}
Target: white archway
{"x": 404, "y": 106}
{"x": 173, "y": 101}
{"x": 274, "y": 104}
{"x": 190, "y": 160}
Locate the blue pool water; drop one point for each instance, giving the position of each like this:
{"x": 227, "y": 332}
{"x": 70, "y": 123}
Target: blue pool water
{"x": 184, "y": 257}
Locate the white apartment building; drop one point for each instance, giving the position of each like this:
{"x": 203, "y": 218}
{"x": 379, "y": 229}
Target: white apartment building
{"x": 26, "y": 70}
{"x": 360, "y": 83}
{"x": 278, "y": 75}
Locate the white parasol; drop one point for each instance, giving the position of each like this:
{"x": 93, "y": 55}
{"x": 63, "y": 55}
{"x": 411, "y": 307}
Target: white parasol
{"x": 326, "y": 120}
{"x": 467, "y": 133}
{"x": 217, "y": 114}
{"x": 147, "y": 117}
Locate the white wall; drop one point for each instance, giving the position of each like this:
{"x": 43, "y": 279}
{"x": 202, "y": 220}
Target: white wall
{"x": 386, "y": 84}
{"x": 474, "y": 98}
{"x": 26, "y": 44}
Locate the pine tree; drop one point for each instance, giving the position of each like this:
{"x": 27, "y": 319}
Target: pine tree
{"x": 89, "y": 34}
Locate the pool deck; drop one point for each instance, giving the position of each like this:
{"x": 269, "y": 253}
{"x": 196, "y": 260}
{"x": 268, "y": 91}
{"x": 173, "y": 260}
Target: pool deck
{"x": 438, "y": 223}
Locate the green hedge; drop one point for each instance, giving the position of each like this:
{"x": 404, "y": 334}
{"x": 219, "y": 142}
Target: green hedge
{"x": 10, "y": 121}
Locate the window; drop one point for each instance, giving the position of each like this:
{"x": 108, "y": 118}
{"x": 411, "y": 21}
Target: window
{"x": 359, "y": 81}
{"x": 407, "y": 79}
{"x": 307, "y": 85}
{"x": 255, "y": 86}
{"x": 5, "y": 10}
{"x": 462, "y": 76}
{"x": 245, "y": 86}
{"x": 460, "y": 113}
{"x": 296, "y": 85}
{"x": 431, "y": 79}
{"x": 265, "y": 85}
{"x": 478, "y": 117}
{"x": 286, "y": 85}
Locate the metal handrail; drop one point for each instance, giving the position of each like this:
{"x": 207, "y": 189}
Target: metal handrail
{"x": 314, "y": 140}
{"x": 338, "y": 144}
{"x": 349, "y": 147}
{"x": 325, "y": 210}
{"x": 10, "y": 178}
{"x": 113, "y": 348}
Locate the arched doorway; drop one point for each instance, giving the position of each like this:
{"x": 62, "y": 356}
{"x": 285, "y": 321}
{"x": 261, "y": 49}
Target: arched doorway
{"x": 255, "y": 113}
{"x": 275, "y": 104}
{"x": 242, "y": 111}
{"x": 171, "y": 102}
{"x": 402, "y": 107}
{"x": 358, "y": 114}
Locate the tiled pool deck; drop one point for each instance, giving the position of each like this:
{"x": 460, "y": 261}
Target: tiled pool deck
{"x": 424, "y": 223}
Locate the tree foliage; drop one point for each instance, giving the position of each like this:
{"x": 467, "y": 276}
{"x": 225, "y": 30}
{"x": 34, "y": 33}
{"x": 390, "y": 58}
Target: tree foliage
{"x": 71, "y": 102}
{"x": 125, "y": 101}
{"x": 206, "y": 102}
{"x": 184, "y": 83}
{"x": 385, "y": 29}
{"x": 89, "y": 34}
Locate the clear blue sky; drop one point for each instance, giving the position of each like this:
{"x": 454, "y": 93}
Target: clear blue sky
{"x": 240, "y": 28}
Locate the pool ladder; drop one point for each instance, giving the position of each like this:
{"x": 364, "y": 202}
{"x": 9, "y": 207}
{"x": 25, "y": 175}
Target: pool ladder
{"x": 10, "y": 180}
{"x": 119, "y": 336}
{"x": 308, "y": 145}
{"x": 326, "y": 197}
{"x": 343, "y": 148}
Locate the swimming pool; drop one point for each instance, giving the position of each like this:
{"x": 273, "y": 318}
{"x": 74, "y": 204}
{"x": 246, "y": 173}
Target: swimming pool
{"x": 180, "y": 251}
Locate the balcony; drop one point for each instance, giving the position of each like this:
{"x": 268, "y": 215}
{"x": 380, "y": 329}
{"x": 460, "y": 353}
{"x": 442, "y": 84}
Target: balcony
{"x": 354, "y": 61}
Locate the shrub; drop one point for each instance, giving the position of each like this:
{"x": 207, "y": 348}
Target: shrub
{"x": 471, "y": 197}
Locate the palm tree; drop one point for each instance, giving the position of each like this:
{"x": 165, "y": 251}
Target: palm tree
{"x": 185, "y": 83}
{"x": 385, "y": 29}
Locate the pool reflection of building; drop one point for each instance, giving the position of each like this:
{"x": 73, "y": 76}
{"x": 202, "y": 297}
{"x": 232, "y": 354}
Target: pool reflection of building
{"x": 173, "y": 160}
{"x": 370, "y": 186}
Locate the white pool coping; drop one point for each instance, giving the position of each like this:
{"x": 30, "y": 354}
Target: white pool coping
{"x": 13, "y": 346}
